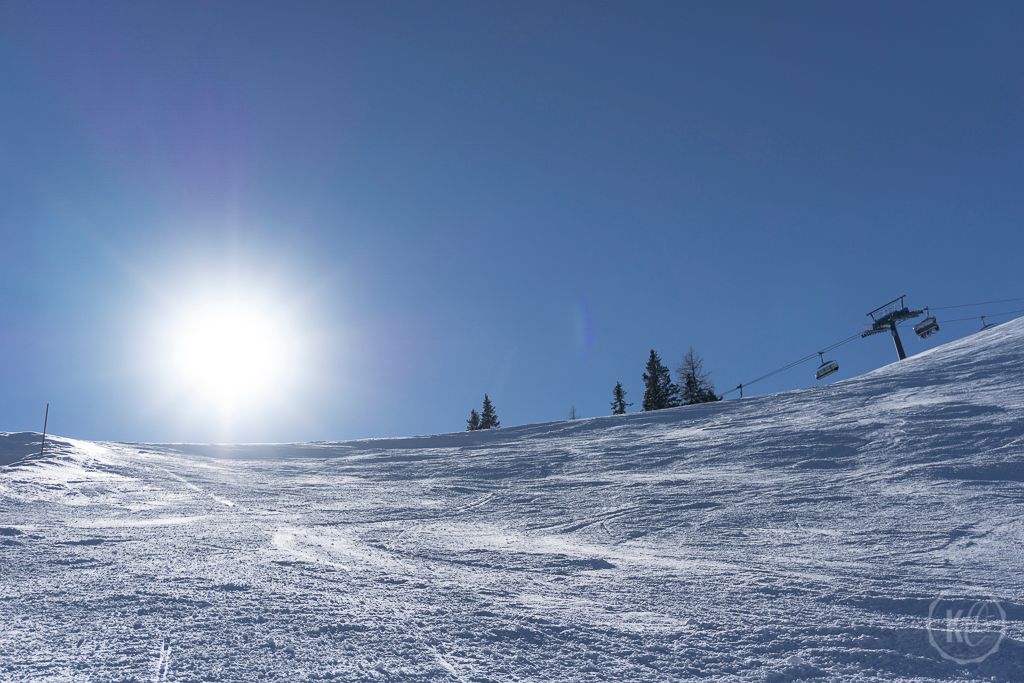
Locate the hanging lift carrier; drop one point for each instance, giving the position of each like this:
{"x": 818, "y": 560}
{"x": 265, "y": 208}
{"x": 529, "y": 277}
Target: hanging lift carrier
{"x": 826, "y": 368}
{"x": 928, "y": 326}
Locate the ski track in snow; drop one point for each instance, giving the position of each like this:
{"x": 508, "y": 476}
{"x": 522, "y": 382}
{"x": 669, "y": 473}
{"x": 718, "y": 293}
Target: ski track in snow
{"x": 798, "y": 536}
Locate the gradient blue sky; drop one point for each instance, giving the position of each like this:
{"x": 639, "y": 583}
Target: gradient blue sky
{"x": 518, "y": 198}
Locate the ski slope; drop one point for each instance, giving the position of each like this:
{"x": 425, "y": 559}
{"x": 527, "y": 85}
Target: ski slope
{"x": 797, "y": 536}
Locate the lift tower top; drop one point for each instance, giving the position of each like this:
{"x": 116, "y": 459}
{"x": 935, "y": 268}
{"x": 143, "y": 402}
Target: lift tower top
{"x": 885, "y": 318}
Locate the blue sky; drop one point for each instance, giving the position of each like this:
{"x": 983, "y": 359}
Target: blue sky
{"x": 512, "y": 198}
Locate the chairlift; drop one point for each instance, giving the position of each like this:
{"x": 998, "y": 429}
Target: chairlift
{"x": 826, "y": 368}
{"x": 927, "y": 327}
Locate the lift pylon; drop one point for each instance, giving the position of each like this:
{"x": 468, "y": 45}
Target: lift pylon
{"x": 884, "y": 319}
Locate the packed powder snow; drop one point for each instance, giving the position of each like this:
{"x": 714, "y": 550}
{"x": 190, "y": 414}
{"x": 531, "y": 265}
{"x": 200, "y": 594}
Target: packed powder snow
{"x": 834, "y": 533}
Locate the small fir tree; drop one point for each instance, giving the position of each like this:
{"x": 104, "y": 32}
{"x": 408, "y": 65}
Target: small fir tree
{"x": 473, "y": 423}
{"x": 488, "y": 416}
{"x": 659, "y": 391}
{"x": 619, "y": 404}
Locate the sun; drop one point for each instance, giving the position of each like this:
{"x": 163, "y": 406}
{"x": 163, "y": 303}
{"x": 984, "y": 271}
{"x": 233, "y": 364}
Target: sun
{"x": 227, "y": 351}
{"x": 232, "y": 353}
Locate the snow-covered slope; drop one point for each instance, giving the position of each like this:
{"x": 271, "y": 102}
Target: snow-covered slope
{"x": 798, "y": 536}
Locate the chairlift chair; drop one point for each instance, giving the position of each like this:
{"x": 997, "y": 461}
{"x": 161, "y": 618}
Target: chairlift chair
{"x": 826, "y": 368}
{"x": 927, "y": 327}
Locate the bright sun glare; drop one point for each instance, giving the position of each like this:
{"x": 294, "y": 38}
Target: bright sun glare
{"x": 230, "y": 352}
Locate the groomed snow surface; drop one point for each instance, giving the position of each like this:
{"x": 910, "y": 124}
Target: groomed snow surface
{"x": 798, "y": 536}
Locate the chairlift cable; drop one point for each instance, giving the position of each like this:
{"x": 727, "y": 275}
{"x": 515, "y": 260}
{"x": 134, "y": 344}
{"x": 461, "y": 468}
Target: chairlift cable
{"x": 980, "y": 303}
{"x": 793, "y": 364}
{"x": 842, "y": 342}
{"x": 975, "y": 317}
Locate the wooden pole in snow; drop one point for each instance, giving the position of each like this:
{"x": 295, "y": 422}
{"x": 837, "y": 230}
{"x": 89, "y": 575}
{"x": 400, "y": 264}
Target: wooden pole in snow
{"x": 46, "y": 418}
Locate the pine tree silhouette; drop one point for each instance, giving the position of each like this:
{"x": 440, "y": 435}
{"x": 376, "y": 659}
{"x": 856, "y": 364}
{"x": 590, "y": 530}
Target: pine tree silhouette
{"x": 619, "y": 400}
{"x": 659, "y": 391}
{"x": 488, "y": 416}
{"x": 473, "y": 423}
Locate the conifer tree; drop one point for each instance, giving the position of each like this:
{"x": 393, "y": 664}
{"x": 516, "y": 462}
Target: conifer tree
{"x": 619, "y": 400}
{"x": 473, "y": 423}
{"x": 659, "y": 391}
{"x": 488, "y": 416}
{"x": 695, "y": 384}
